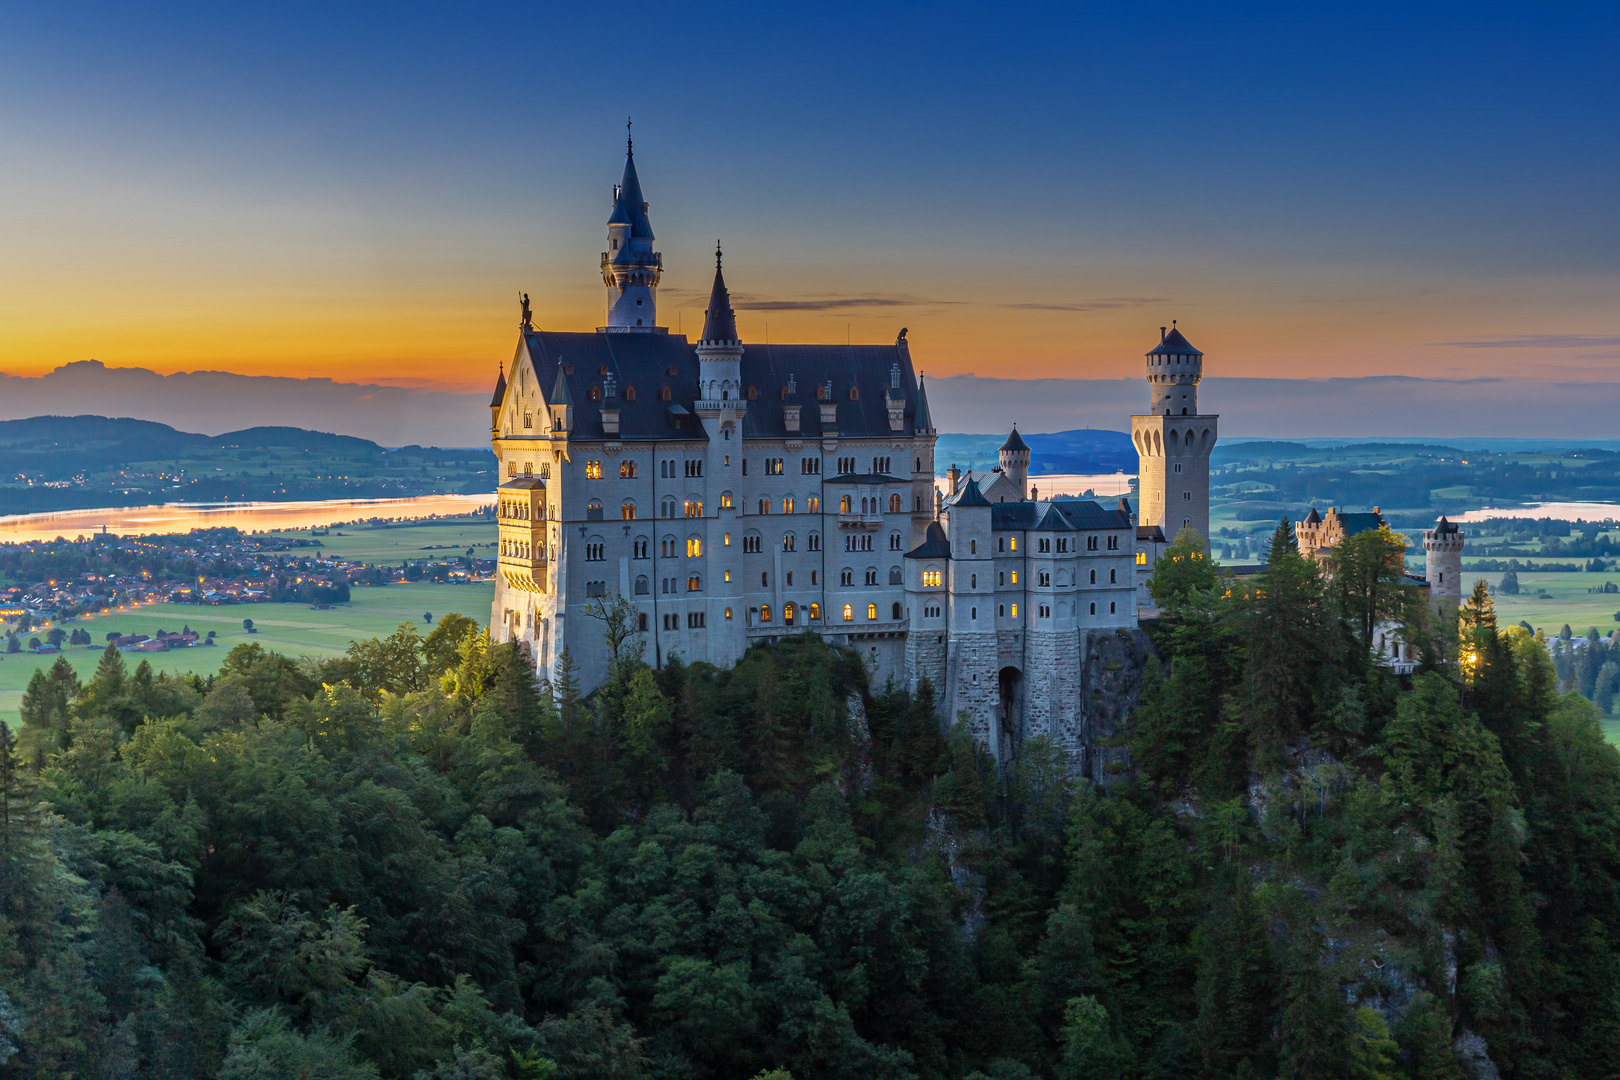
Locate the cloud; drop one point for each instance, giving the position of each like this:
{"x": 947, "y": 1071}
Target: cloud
{"x": 833, "y": 303}
{"x": 1106, "y": 304}
{"x": 1535, "y": 341}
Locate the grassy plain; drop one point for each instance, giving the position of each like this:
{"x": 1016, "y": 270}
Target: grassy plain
{"x": 294, "y": 629}
{"x": 417, "y": 540}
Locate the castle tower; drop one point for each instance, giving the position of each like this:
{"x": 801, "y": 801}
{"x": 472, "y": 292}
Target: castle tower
{"x": 1442, "y": 549}
{"x": 720, "y": 351}
{"x": 1015, "y": 462}
{"x": 631, "y": 269}
{"x": 1174, "y": 440}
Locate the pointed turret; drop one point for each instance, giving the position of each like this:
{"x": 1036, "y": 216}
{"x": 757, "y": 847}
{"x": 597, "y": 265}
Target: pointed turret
{"x": 922, "y": 422}
{"x": 720, "y": 352}
{"x": 561, "y": 403}
{"x": 719, "y": 321}
{"x": 1015, "y": 461}
{"x": 497, "y": 400}
{"x": 631, "y": 269}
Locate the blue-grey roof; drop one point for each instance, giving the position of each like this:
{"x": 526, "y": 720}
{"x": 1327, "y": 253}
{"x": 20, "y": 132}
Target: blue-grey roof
{"x": 1174, "y": 344}
{"x": 865, "y": 478}
{"x": 631, "y": 207}
{"x": 1014, "y": 441}
{"x": 922, "y": 420}
{"x": 935, "y": 545}
{"x": 1359, "y": 523}
{"x": 719, "y": 321}
{"x": 643, "y": 363}
{"x": 500, "y": 391}
{"x": 1060, "y": 515}
{"x": 968, "y": 495}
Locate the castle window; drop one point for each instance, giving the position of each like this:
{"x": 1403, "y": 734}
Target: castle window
{"x": 1001, "y": 543}
{"x": 764, "y": 613}
{"x": 694, "y": 548}
{"x": 1015, "y": 577}
{"x": 815, "y": 612}
{"x": 788, "y": 541}
{"x": 812, "y": 505}
{"x": 665, "y": 394}
{"x": 1091, "y": 543}
{"x": 728, "y": 613}
{"x": 593, "y": 512}
{"x": 668, "y": 546}
{"x": 1186, "y": 496}
{"x": 528, "y": 468}
{"x": 843, "y": 504}
{"x": 1094, "y": 577}
{"x": 1094, "y": 609}
{"x": 696, "y": 620}
{"x": 694, "y": 509}
{"x": 973, "y": 613}
{"x": 896, "y": 609}
{"x": 627, "y": 511}
{"x": 1001, "y": 579}
{"x": 849, "y": 613}
{"x": 973, "y": 547}
{"x": 1015, "y": 611}
{"x": 629, "y": 393}
{"x": 854, "y": 394}
{"x": 753, "y": 393}
{"x": 894, "y": 504}
{"x": 1111, "y": 607}
{"x": 694, "y": 467}
{"x": 894, "y": 541}
{"x": 725, "y": 500}
{"x": 627, "y": 470}
{"x": 1113, "y": 577}
{"x": 764, "y": 506}
{"x": 642, "y": 586}
{"x": 787, "y": 505}
{"x": 1178, "y": 466}
{"x": 1141, "y": 558}
{"x": 593, "y": 552}
{"x": 528, "y": 419}
{"x": 846, "y": 577}
{"x": 596, "y": 392}
{"x": 931, "y": 579}
{"x": 694, "y": 583}
{"x": 1113, "y": 543}
{"x": 669, "y": 507}
{"x": 1001, "y": 610}
{"x": 871, "y": 613}
{"x": 813, "y": 542}
{"x": 787, "y": 613}
{"x": 641, "y": 622}
{"x": 511, "y": 468}
{"x": 640, "y": 547}
{"x": 593, "y": 470}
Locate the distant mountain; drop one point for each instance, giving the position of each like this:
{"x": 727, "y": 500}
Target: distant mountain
{"x": 1083, "y": 450}
{"x": 77, "y": 462}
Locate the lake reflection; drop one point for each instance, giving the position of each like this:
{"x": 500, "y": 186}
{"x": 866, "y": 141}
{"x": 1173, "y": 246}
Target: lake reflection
{"x": 262, "y": 516}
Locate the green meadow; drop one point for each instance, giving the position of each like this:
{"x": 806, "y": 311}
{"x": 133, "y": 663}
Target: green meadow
{"x": 294, "y": 629}
{"x": 428, "y": 540}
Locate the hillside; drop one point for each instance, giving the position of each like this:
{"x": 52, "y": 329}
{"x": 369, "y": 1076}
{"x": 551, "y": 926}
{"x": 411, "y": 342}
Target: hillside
{"x": 1083, "y": 450}
{"x": 411, "y": 862}
{"x": 73, "y": 462}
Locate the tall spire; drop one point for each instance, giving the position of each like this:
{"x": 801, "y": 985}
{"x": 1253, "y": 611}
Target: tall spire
{"x": 631, "y": 269}
{"x": 720, "y": 322}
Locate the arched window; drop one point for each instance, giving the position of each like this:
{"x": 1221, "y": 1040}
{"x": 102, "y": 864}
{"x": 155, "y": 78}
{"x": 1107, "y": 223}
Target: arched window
{"x": 764, "y": 506}
{"x": 894, "y": 504}
{"x": 871, "y": 613}
{"x": 895, "y": 576}
{"x": 787, "y": 613}
{"x": 628, "y": 510}
{"x": 642, "y": 586}
{"x": 1111, "y": 607}
{"x": 669, "y": 508}
{"x": 593, "y": 512}
{"x": 627, "y": 470}
{"x": 849, "y": 613}
{"x": 843, "y": 505}
{"x": 787, "y": 505}
{"x": 815, "y": 612}
{"x": 897, "y": 611}
{"x": 764, "y": 613}
{"x": 725, "y": 500}
{"x": 694, "y": 583}
{"x": 694, "y": 547}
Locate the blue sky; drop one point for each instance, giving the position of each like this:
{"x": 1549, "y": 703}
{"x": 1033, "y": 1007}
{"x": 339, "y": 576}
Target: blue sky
{"x": 360, "y": 192}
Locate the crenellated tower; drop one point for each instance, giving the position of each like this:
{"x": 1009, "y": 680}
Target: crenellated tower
{"x": 1174, "y": 440}
{"x": 631, "y": 269}
{"x": 1442, "y": 551}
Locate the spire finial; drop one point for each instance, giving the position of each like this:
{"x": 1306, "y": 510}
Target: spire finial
{"x": 717, "y": 254}
{"x": 629, "y": 143}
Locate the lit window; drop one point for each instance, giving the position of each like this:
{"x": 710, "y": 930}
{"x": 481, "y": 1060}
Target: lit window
{"x": 728, "y": 613}
{"x": 787, "y": 612}
{"x": 849, "y": 613}
{"x": 728, "y": 577}
{"x": 628, "y": 510}
{"x": 694, "y": 548}
{"x": 1141, "y": 558}
{"x": 871, "y": 612}
{"x": 815, "y": 612}
{"x": 1015, "y": 573}
{"x": 1015, "y": 611}
{"x": 593, "y": 470}
{"x": 764, "y": 613}
{"x": 931, "y": 579}
{"x": 843, "y": 505}
{"x": 694, "y": 509}
{"x": 627, "y": 470}
{"x": 728, "y": 540}
{"x": 725, "y": 500}
{"x": 694, "y": 584}
{"x": 1012, "y": 545}
{"x": 812, "y": 505}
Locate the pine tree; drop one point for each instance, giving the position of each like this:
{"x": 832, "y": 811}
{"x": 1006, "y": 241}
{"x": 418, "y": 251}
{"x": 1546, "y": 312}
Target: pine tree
{"x": 1283, "y": 540}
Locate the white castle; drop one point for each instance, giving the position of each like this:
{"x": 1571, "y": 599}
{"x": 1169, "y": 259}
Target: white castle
{"x": 736, "y": 493}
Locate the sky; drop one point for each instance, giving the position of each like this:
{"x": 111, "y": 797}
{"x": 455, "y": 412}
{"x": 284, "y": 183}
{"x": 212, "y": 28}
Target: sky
{"x": 360, "y": 192}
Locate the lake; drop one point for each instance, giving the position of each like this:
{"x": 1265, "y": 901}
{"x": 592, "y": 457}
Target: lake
{"x": 1561, "y": 511}
{"x": 260, "y": 516}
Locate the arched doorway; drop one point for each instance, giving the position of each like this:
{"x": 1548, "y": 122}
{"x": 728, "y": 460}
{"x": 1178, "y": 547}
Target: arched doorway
{"x": 1010, "y": 712}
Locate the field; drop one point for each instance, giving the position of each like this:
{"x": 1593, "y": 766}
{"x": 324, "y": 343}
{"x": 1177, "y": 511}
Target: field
{"x": 295, "y": 629}
{"x": 418, "y": 540}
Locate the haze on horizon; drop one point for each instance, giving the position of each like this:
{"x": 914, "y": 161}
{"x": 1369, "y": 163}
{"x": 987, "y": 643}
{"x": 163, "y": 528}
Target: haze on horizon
{"x": 305, "y": 191}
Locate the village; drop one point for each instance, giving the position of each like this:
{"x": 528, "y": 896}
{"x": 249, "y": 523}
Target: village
{"x": 51, "y": 590}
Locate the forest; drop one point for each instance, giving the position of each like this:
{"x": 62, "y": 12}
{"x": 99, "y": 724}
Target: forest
{"x": 413, "y": 861}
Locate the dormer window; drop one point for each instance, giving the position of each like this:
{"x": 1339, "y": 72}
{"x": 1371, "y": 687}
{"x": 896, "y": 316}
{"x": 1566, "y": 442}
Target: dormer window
{"x": 753, "y": 393}
{"x": 615, "y": 244}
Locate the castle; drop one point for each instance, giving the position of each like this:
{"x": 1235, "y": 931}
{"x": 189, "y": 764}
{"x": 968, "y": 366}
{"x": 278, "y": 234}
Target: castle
{"x": 735, "y": 493}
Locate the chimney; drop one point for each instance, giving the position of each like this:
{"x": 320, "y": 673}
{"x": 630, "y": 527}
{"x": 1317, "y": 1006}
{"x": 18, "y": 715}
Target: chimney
{"x": 1161, "y": 333}
{"x": 953, "y": 476}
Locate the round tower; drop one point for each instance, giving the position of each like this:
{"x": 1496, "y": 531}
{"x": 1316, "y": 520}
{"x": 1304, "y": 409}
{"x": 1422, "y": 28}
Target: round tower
{"x": 1442, "y": 549}
{"x": 1015, "y": 462}
{"x": 1174, "y": 370}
